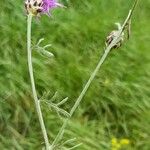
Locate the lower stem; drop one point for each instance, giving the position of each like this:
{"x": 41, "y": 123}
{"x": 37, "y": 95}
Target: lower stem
{"x": 37, "y": 102}
{"x": 82, "y": 94}
{"x": 101, "y": 61}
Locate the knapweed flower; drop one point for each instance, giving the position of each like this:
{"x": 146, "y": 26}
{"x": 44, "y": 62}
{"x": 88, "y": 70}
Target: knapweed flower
{"x": 37, "y": 7}
{"x": 113, "y": 35}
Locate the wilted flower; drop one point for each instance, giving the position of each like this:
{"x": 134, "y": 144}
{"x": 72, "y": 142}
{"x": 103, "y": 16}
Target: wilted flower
{"x": 113, "y": 35}
{"x": 37, "y": 7}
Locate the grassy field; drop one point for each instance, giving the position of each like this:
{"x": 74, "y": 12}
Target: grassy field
{"x": 118, "y": 101}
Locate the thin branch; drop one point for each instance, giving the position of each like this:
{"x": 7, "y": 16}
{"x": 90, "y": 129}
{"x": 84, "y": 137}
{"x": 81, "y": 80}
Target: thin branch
{"x": 101, "y": 61}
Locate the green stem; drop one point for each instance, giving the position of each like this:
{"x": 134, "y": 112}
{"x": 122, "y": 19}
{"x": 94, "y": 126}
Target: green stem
{"x": 37, "y": 102}
{"x": 101, "y": 61}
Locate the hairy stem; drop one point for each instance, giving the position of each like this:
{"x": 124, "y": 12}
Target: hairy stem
{"x": 37, "y": 102}
{"x": 101, "y": 61}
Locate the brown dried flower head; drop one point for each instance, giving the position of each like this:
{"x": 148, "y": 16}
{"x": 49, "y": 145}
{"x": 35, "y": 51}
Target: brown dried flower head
{"x": 113, "y": 35}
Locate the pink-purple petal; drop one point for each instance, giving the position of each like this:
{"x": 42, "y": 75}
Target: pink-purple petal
{"x": 49, "y": 4}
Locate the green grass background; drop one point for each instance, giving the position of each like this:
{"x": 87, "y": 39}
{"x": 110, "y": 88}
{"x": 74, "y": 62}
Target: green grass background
{"x": 118, "y": 101}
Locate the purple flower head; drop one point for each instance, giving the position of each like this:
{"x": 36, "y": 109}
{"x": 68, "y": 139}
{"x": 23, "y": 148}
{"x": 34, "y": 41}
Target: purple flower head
{"x": 49, "y": 4}
{"x": 37, "y": 7}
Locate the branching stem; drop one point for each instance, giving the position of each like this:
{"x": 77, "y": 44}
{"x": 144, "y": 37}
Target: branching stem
{"x": 101, "y": 61}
